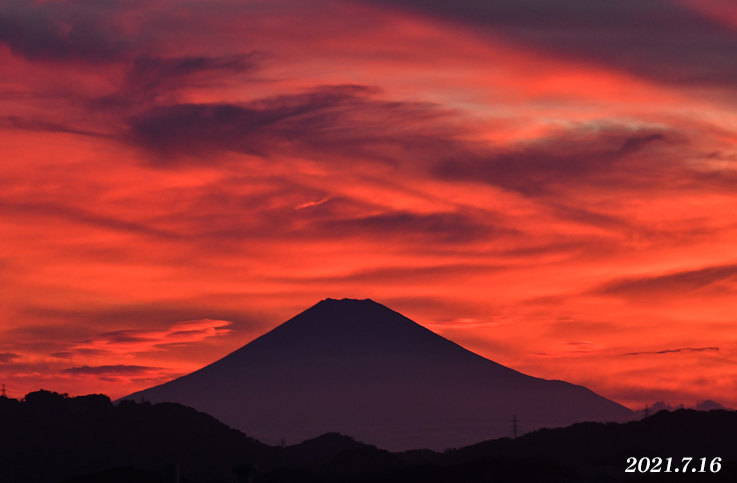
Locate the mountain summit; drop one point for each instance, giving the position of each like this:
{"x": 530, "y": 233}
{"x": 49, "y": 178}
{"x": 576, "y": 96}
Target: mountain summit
{"x": 359, "y": 368}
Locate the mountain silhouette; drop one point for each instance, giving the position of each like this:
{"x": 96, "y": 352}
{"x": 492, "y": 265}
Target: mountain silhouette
{"x": 357, "y": 367}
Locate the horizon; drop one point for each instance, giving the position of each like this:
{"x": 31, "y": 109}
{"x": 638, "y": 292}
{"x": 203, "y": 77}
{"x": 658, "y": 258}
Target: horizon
{"x": 550, "y": 186}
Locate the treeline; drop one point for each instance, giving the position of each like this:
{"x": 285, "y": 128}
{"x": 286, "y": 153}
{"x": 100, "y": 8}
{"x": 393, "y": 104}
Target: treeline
{"x": 53, "y": 438}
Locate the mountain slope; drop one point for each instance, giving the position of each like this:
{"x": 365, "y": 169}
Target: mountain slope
{"x": 359, "y": 368}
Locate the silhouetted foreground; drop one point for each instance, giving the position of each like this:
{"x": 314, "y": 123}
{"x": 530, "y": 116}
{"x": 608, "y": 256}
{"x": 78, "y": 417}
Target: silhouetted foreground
{"x": 50, "y": 438}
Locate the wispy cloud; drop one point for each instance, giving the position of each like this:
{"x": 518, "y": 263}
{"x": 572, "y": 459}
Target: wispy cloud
{"x": 672, "y": 351}
{"x": 671, "y": 283}
{"x": 121, "y": 374}
{"x": 136, "y": 341}
{"x": 602, "y": 157}
{"x": 116, "y": 370}
{"x": 658, "y": 39}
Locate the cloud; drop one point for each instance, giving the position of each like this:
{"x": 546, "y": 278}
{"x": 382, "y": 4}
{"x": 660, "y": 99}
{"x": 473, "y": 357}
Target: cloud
{"x": 112, "y": 370}
{"x": 658, "y": 39}
{"x": 570, "y": 349}
{"x": 134, "y": 316}
{"x": 670, "y": 284}
{"x": 62, "y": 31}
{"x": 137, "y": 341}
{"x": 151, "y": 80}
{"x": 443, "y": 227}
{"x": 8, "y": 357}
{"x": 150, "y": 74}
{"x": 325, "y": 122}
{"x": 399, "y": 274}
{"x": 605, "y": 157}
{"x": 672, "y": 351}
{"x": 16, "y": 122}
{"x": 122, "y": 374}
{"x": 79, "y": 215}
{"x": 332, "y": 123}
{"x": 203, "y": 128}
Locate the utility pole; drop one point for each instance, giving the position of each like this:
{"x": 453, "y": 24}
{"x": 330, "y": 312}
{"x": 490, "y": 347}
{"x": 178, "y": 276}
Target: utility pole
{"x": 515, "y": 427}
{"x": 647, "y": 410}
{"x": 2, "y": 392}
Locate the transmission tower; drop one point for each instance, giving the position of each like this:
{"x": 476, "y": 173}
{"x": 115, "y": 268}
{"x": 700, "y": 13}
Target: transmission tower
{"x": 647, "y": 410}
{"x": 515, "y": 427}
{"x": 2, "y": 392}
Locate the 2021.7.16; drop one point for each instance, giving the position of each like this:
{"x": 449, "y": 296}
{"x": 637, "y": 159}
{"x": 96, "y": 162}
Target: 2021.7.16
{"x": 655, "y": 465}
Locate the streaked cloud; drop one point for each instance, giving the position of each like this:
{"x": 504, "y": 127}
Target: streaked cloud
{"x": 675, "y": 351}
{"x": 110, "y": 370}
{"x": 659, "y": 39}
{"x": 135, "y": 341}
{"x": 672, "y": 283}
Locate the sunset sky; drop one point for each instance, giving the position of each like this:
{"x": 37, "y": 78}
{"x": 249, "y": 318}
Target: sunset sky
{"x": 549, "y": 183}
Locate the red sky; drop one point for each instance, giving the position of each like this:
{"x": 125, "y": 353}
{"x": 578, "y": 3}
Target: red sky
{"x": 548, "y": 183}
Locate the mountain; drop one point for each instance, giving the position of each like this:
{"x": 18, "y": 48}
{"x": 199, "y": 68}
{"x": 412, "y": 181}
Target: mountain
{"x": 358, "y": 368}
{"x": 709, "y": 405}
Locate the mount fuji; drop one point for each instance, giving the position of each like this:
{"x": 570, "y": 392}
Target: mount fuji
{"x": 361, "y": 369}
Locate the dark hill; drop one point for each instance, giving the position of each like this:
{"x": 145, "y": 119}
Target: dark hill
{"x": 318, "y": 451}
{"x": 583, "y": 452}
{"x": 49, "y": 437}
{"x": 685, "y": 432}
{"x": 356, "y": 367}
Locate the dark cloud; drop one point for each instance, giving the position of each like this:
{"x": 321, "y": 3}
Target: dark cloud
{"x": 447, "y": 227}
{"x": 672, "y": 351}
{"x": 598, "y": 156}
{"x": 658, "y": 39}
{"x": 40, "y": 338}
{"x": 16, "y": 122}
{"x": 152, "y": 80}
{"x": 82, "y": 216}
{"x": 143, "y": 316}
{"x": 99, "y": 32}
{"x": 200, "y": 129}
{"x": 400, "y": 274}
{"x": 334, "y": 123}
{"x": 115, "y": 370}
{"x": 152, "y": 74}
{"x": 125, "y": 336}
{"x": 61, "y": 31}
{"x": 7, "y": 357}
{"x": 349, "y": 121}
{"x": 340, "y": 120}
{"x": 671, "y": 284}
